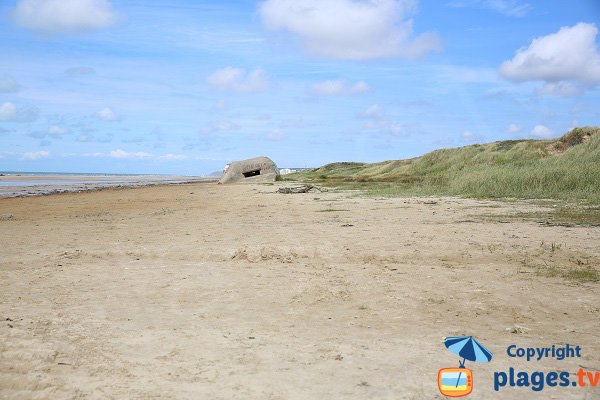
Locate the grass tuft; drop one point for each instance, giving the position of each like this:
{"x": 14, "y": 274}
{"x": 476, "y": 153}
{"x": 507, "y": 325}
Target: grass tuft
{"x": 576, "y": 274}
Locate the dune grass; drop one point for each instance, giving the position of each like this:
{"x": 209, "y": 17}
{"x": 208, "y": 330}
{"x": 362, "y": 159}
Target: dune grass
{"x": 567, "y": 168}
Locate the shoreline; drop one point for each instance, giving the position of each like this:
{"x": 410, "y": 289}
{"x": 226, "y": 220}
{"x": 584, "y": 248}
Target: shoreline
{"x": 43, "y": 185}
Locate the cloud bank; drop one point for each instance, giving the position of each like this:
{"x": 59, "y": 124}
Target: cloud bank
{"x": 64, "y": 16}
{"x": 567, "y": 61}
{"x": 350, "y": 29}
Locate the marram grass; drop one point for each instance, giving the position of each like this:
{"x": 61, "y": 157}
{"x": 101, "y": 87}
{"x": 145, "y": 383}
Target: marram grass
{"x": 567, "y": 168}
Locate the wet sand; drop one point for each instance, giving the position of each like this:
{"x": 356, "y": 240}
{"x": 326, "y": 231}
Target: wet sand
{"x": 236, "y": 292}
{"x": 19, "y": 185}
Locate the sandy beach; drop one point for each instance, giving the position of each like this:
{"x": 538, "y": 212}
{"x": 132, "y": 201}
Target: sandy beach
{"x": 205, "y": 291}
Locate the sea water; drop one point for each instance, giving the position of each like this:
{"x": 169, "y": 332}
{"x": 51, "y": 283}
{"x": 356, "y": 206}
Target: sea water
{"x": 33, "y": 183}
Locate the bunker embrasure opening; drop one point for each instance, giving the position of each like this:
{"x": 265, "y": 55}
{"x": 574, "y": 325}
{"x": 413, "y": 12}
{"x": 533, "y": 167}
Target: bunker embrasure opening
{"x": 251, "y": 173}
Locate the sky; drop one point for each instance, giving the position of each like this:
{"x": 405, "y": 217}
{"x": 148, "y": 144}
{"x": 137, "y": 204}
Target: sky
{"x": 184, "y": 87}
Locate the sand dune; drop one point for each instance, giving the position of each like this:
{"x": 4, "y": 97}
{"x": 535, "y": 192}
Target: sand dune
{"x": 205, "y": 291}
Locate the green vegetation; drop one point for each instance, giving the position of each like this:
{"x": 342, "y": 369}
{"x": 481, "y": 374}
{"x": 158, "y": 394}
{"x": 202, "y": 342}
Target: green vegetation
{"x": 578, "y": 274}
{"x": 568, "y": 214}
{"x": 567, "y": 168}
{"x": 581, "y": 215}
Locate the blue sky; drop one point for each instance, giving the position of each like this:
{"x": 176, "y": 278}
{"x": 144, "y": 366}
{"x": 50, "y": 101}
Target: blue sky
{"x": 183, "y": 87}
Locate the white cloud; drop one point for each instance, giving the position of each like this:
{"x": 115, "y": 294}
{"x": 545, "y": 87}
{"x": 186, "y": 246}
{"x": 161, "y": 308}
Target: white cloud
{"x": 276, "y": 134}
{"x": 138, "y": 155}
{"x": 541, "y": 131}
{"x": 348, "y": 29}
{"x": 469, "y": 136}
{"x": 11, "y": 113}
{"x": 8, "y": 85}
{"x": 513, "y": 128}
{"x": 57, "y": 131}
{"x": 107, "y": 114}
{"x": 222, "y": 126}
{"x": 219, "y": 105}
{"x": 567, "y": 61}
{"x": 64, "y": 16}
{"x": 171, "y": 157}
{"x": 7, "y": 111}
{"x": 565, "y": 89}
{"x": 373, "y": 111}
{"x": 339, "y": 88}
{"x": 35, "y": 155}
{"x": 85, "y": 138}
{"x": 238, "y": 80}
{"x": 377, "y": 121}
{"x": 511, "y": 8}
{"x": 393, "y": 128}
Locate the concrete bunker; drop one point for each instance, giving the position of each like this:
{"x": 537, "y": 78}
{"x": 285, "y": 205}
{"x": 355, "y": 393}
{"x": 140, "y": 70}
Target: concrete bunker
{"x": 258, "y": 169}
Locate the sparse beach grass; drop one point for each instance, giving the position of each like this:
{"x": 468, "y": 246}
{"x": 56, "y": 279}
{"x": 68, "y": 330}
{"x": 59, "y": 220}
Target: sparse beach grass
{"x": 565, "y": 214}
{"x": 576, "y": 274}
{"x": 559, "y": 261}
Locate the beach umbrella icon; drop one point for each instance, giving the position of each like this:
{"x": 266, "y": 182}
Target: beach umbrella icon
{"x": 469, "y": 349}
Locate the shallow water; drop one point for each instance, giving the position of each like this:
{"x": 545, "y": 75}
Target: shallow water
{"x": 28, "y": 185}
{"x": 42, "y": 182}
{"x": 87, "y": 181}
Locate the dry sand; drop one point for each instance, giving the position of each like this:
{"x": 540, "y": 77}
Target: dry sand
{"x": 223, "y": 292}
